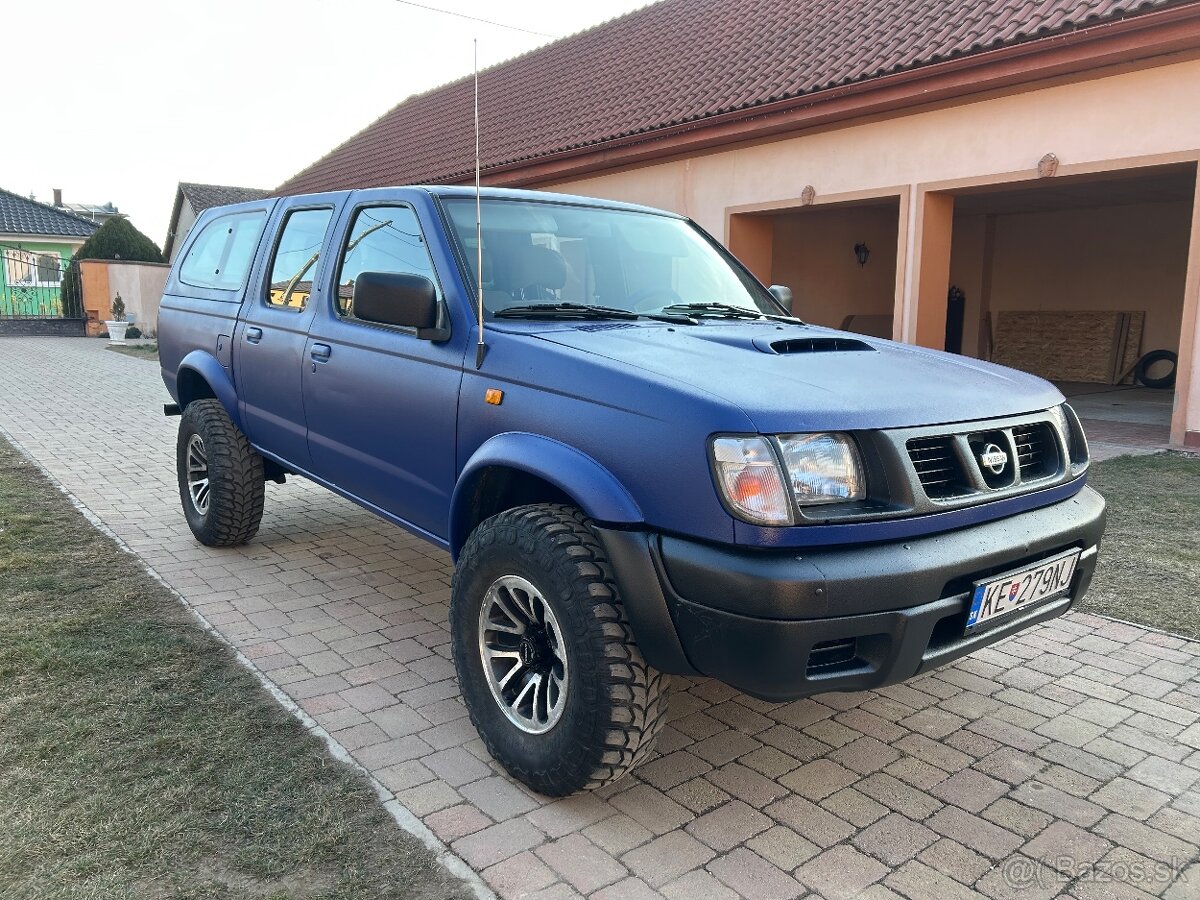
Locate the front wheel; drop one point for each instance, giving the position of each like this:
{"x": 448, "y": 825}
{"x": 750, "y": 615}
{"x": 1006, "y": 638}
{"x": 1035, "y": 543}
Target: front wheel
{"x": 550, "y": 670}
{"x": 220, "y": 476}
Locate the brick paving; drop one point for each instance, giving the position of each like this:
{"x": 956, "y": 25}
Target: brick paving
{"x": 1065, "y": 761}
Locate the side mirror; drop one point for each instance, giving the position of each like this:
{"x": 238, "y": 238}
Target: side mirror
{"x": 395, "y": 298}
{"x": 783, "y": 294}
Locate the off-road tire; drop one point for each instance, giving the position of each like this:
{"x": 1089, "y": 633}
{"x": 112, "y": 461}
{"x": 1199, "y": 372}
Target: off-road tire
{"x": 235, "y": 472}
{"x": 616, "y": 703}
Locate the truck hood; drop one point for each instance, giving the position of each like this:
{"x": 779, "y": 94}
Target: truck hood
{"x": 805, "y": 378}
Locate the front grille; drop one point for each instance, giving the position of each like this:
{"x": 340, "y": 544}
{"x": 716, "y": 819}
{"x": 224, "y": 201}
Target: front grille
{"x": 934, "y": 468}
{"x": 1037, "y": 450}
{"x": 937, "y": 466}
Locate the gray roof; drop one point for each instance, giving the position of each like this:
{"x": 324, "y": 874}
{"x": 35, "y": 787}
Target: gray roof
{"x": 20, "y": 215}
{"x": 202, "y": 196}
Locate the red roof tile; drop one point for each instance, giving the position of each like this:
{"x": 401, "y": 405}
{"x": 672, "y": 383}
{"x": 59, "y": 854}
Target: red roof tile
{"x": 676, "y": 62}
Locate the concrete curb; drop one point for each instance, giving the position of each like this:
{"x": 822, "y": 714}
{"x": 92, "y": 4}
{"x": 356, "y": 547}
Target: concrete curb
{"x": 1151, "y": 628}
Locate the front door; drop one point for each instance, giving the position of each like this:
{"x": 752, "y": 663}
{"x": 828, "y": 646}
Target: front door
{"x": 269, "y": 345}
{"x": 381, "y": 403}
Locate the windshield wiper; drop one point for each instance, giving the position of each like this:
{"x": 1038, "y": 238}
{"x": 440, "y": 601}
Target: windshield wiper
{"x": 564, "y": 310}
{"x": 587, "y": 311}
{"x": 720, "y": 310}
{"x": 729, "y": 311}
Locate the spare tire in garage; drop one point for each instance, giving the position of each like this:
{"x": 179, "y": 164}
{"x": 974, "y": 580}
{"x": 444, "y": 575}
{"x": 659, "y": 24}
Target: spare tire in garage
{"x": 1142, "y": 372}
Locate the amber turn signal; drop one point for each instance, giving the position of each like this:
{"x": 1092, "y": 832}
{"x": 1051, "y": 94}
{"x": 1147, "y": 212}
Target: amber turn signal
{"x": 494, "y": 396}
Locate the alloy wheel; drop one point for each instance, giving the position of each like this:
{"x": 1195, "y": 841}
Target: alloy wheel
{"x": 524, "y": 658}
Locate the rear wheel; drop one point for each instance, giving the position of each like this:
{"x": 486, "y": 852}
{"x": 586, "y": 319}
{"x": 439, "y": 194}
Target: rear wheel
{"x": 550, "y": 670}
{"x": 220, "y": 476}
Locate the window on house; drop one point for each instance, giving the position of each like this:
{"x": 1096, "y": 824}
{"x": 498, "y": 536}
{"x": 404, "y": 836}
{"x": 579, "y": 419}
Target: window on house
{"x": 29, "y": 268}
{"x": 221, "y": 255}
{"x": 49, "y": 268}
{"x": 382, "y": 239}
{"x": 295, "y": 264}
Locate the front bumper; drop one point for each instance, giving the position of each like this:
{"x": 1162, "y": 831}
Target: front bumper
{"x": 786, "y": 624}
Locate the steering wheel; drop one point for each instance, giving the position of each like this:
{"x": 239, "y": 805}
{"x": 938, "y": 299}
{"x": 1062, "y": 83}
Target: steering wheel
{"x": 639, "y": 301}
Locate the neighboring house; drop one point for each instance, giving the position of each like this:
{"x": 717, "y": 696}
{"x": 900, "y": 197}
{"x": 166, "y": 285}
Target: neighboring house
{"x": 193, "y": 199}
{"x": 37, "y": 242}
{"x": 1011, "y": 180}
{"x": 95, "y": 212}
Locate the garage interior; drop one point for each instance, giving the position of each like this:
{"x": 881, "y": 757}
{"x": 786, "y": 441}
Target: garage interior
{"x": 1076, "y": 279}
{"x": 840, "y": 262}
{"x": 1071, "y": 278}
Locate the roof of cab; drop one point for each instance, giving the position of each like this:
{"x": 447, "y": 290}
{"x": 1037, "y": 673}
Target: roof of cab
{"x": 449, "y": 191}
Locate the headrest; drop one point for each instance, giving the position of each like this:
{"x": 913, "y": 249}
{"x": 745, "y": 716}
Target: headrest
{"x": 539, "y": 267}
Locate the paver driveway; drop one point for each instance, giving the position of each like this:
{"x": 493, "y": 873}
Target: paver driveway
{"x": 1062, "y": 761}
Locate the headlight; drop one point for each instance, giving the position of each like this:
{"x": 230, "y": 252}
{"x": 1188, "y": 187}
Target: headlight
{"x": 748, "y": 473}
{"x": 823, "y": 468}
{"x": 820, "y": 468}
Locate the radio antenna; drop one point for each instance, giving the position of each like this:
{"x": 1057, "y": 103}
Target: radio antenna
{"x": 481, "y": 347}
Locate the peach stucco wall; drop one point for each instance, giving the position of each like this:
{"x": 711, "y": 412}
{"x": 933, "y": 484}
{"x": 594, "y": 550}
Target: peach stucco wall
{"x": 93, "y": 278}
{"x": 139, "y": 284}
{"x": 1122, "y": 120}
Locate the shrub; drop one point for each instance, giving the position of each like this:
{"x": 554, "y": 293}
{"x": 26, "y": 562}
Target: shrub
{"x": 115, "y": 239}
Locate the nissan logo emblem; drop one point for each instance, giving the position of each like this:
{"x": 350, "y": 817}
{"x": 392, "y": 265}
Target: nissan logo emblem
{"x": 993, "y": 459}
{"x": 527, "y": 652}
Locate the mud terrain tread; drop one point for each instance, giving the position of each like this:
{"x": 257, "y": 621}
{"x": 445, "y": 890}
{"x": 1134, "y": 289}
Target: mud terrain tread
{"x": 630, "y": 704}
{"x": 235, "y": 472}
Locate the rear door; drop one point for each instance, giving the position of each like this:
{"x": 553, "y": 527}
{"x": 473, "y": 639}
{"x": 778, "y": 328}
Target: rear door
{"x": 269, "y": 347}
{"x": 203, "y": 294}
{"x": 381, "y": 403}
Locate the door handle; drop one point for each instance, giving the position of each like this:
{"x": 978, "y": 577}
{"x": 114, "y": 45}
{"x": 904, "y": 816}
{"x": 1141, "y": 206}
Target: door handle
{"x": 321, "y": 352}
{"x": 253, "y": 335}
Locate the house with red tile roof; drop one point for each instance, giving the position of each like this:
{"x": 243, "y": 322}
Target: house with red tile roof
{"x": 1014, "y": 180}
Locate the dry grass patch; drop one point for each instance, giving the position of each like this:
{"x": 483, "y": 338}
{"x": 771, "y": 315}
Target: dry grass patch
{"x": 138, "y": 759}
{"x": 1149, "y": 569}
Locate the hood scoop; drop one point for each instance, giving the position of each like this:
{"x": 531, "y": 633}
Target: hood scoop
{"x": 789, "y": 346}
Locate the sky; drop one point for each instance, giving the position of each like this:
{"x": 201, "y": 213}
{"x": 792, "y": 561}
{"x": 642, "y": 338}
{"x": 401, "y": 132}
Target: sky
{"x": 148, "y": 93}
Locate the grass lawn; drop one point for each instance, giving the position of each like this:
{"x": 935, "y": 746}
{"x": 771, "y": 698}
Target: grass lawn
{"x": 141, "y": 351}
{"x": 138, "y": 759}
{"x": 1149, "y": 569}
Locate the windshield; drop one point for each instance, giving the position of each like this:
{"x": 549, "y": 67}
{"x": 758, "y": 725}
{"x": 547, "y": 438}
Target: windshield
{"x": 552, "y": 253}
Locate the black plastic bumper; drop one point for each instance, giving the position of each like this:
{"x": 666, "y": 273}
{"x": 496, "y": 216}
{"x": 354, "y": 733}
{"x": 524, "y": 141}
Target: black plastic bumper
{"x": 786, "y": 624}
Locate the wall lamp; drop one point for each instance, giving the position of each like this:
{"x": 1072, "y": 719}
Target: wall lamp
{"x": 861, "y": 253}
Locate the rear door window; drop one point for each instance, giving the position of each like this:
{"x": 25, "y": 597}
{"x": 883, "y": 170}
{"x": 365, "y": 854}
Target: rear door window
{"x": 294, "y": 265}
{"x": 221, "y": 255}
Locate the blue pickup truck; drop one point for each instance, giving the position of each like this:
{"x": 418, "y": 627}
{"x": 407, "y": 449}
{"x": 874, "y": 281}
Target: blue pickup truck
{"x": 640, "y": 461}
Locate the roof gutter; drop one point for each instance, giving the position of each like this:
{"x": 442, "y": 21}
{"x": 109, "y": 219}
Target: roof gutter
{"x": 29, "y": 238}
{"x": 1141, "y": 37}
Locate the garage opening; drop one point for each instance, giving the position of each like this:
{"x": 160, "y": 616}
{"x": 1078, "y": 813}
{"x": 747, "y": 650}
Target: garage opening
{"x": 839, "y": 259}
{"x": 1077, "y": 280}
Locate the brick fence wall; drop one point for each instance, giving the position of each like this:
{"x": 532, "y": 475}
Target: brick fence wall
{"x": 42, "y": 327}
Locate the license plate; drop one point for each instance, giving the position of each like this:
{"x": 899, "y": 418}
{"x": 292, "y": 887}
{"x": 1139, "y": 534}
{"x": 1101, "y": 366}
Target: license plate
{"x": 1012, "y": 591}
